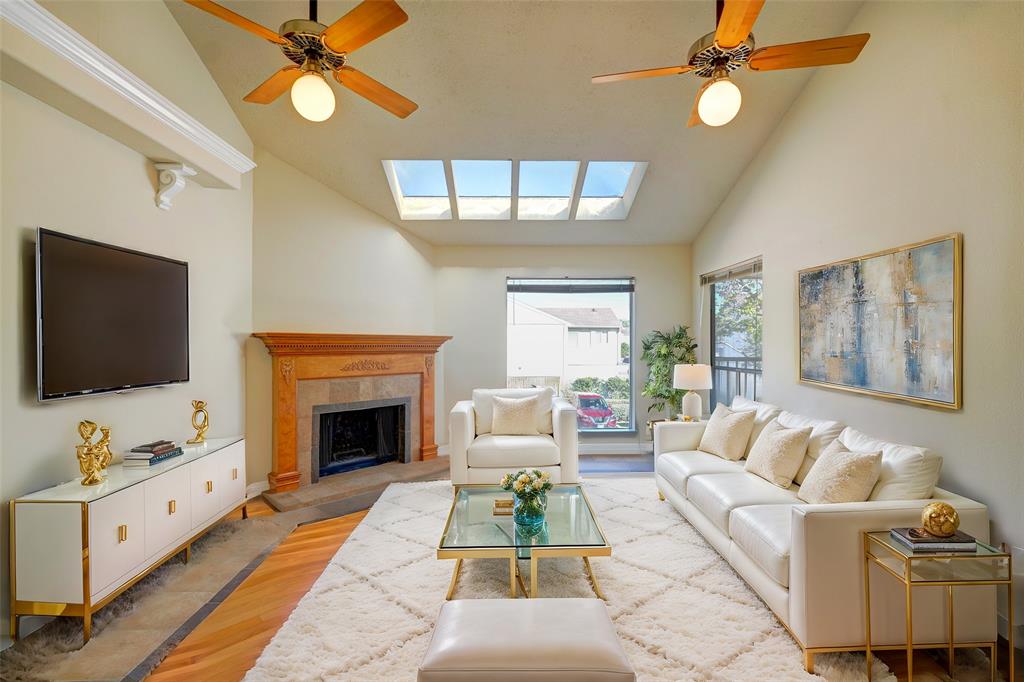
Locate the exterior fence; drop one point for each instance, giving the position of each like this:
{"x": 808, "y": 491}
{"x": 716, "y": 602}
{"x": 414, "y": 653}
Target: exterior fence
{"x": 733, "y": 376}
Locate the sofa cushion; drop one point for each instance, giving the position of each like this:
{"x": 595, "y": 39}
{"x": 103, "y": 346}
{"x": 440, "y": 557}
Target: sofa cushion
{"x": 726, "y": 433}
{"x": 762, "y": 531}
{"x": 483, "y": 406}
{"x": 839, "y": 475}
{"x": 823, "y": 432}
{"x": 716, "y": 495}
{"x": 512, "y": 452}
{"x": 677, "y": 467}
{"x": 908, "y": 472}
{"x": 778, "y": 453}
{"x": 763, "y": 413}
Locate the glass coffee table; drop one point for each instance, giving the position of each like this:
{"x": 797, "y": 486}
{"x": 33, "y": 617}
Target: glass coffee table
{"x": 473, "y": 531}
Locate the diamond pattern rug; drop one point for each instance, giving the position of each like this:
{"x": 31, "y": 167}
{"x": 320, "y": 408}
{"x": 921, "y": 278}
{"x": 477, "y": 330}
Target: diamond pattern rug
{"x": 679, "y": 609}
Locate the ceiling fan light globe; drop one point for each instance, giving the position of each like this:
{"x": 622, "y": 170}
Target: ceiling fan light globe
{"x": 719, "y": 103}
{"x": 312, "y": 97}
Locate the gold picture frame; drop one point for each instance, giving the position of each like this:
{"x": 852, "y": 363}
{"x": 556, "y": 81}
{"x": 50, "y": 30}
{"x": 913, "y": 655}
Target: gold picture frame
{"x": 956, "y": 401}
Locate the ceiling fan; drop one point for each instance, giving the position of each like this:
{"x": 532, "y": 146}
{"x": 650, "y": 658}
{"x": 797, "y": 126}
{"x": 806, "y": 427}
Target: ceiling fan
{"x": 731, "y": 46}
{"x": 315, "y": 48}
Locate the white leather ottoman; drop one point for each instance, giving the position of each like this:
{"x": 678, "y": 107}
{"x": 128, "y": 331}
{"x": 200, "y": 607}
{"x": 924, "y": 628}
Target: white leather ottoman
{"x": 536, "y": 640}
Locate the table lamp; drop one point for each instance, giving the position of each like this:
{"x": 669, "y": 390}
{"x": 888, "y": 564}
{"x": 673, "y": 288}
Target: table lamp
{"x": 693, "y": 378}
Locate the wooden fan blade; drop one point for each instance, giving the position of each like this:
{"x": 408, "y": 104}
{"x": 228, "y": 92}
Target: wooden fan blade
{"x": 378, "y": 93}
{"x": 368, "y": 21}
{"x": 274, "y": 87}
{"x": 238, "y": 20}
{"x": 738, "y": 17}
{"x": 644, "y": 73}
{"x": 841, "y": 50}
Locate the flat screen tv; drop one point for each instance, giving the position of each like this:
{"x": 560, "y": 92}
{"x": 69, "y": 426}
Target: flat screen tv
{"x": 107, "y": 318}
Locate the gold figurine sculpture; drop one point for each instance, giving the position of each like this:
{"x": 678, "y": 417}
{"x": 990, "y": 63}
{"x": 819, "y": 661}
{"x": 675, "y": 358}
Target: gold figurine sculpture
{"x": 93, "y": 458}
{"x": 940, "y": 519}
{"x": 199, "y": 408}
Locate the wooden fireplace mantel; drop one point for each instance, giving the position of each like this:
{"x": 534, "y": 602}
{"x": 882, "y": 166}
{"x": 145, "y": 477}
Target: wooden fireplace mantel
{"x": 297, "y": 356}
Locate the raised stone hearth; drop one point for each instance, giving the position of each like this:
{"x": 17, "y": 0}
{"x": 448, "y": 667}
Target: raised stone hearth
{"x": 312, "y": 372}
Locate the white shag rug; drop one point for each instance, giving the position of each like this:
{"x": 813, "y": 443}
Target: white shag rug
{"x": 679, "y": 609}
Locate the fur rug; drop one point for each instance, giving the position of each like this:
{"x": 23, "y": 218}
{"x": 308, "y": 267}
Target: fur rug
{"x": 679, "y": 609}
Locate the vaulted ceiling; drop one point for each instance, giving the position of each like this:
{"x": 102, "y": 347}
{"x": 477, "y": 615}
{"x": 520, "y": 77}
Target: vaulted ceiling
{"x": 511, "y": 80}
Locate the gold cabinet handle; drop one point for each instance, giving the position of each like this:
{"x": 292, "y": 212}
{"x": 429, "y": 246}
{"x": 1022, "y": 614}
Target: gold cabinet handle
{"x": 122, "y": 533}
{"x": 209, "y": 486}
{"x": 234, "y": 474}
{"x": 172, "y": 506}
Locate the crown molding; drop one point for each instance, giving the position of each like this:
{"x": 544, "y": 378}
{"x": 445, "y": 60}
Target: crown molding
{"x": 34, "y": 20}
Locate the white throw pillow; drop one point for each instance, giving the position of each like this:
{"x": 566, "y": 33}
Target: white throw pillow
{"x": 763, "y": 413}
{"x": 839, "y": 475}
{"x": 908, "y": 472}
{"x": 515, "y": 416}
{"x": 483, "y": 406}
{"x": 823, "y": 432}
{"x": 726, "y": 433}
{"x": 778, "y": 453}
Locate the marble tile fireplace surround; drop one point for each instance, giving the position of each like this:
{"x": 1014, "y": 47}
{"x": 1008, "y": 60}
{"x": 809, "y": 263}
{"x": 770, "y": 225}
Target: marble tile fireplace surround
{"x": 316, "y": 374}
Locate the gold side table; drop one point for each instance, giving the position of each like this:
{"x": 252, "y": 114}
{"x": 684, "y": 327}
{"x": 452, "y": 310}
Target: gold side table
{"x": 984, "y": 566}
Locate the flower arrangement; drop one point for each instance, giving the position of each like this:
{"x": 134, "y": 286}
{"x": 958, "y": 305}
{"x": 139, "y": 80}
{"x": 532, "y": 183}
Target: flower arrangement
{"x": 530, "y": 487}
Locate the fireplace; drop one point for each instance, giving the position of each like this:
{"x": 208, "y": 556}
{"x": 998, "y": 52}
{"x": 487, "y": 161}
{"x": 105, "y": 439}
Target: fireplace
{"x": 355, "y": 435}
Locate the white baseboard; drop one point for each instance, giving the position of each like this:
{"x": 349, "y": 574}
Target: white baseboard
{"x": 444, "y": 450}
{"x": 256, "y": 489}
{"x": 633, "y": 448}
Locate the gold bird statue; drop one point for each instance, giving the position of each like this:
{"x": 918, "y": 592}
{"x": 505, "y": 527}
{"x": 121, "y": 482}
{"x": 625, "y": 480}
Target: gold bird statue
{"x": 89, "y": 454}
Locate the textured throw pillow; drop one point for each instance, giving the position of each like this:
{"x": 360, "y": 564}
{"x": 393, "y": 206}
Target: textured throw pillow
{"x": 778, "y": 453}
{"x": 515, "y": 416}
{"x": 839, "y": 475}
{"x": 726, "y": 433}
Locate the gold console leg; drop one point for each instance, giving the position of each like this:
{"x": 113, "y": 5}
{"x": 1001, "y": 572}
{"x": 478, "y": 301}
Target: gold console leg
{"x": 593, "y": 578}
{"x": 455, "y": 580}
{"x": 661, "y": 496}
{"x": 14, "y": 626}
{"x": 245, "y": 511}
{"x": 188, "y": 552}
{"x": 86, "y": 627}
{"x": 809, "y": 661}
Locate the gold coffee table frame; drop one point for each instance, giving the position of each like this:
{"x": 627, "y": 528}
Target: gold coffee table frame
{"x": 512, "y": 553}
{"x": 879, "y": 546}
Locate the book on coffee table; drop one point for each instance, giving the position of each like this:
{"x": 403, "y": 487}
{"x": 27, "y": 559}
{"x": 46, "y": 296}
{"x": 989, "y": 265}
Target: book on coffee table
{"x": 920, "y": 540}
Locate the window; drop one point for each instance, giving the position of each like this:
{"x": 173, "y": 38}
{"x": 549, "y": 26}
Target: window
{"x": 574, "y": 335}
{"x": 545, "y": 189}
{"x": 420, "y": 189}
{"x": 483, "y": 189}
{"x": 735, "y": 295}
{"x": 609, "y": 188}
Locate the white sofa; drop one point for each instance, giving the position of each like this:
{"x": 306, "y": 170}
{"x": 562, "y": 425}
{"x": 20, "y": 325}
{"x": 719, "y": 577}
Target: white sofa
{"x": 806, "y": 560}
{"x": 479, "y": 456}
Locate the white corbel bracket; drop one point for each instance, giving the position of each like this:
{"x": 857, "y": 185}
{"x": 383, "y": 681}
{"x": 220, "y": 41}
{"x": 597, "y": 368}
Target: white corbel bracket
{"x": 171, "y": 178}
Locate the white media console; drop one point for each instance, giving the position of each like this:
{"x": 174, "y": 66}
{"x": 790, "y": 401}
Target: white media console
{"x": 74, "y": 548}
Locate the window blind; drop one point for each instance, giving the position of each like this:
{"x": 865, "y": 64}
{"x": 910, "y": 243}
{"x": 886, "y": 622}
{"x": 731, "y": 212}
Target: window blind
{"x": 748, "y": 268}
{"x": 571, "y": 286}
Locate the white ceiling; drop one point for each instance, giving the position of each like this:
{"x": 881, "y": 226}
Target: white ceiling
{"x": 512, "y": 80}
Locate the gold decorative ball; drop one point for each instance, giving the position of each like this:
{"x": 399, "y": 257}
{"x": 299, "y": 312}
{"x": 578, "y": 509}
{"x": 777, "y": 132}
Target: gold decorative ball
{"x": 940, "y": 519}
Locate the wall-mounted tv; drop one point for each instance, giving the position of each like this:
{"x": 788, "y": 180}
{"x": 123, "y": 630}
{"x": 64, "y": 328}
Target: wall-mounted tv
{"x": 107, "y": 318}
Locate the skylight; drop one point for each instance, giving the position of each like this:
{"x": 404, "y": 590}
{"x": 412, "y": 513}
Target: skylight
{"x": 420, "y": 189}
{"x": 483, "y": 189}
{"x": 545, "y": 189}
{"x": 609, "y": 188}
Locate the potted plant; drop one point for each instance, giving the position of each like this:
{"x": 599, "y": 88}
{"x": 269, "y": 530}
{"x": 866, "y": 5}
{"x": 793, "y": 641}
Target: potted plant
{"x": 530, "y": 487}
{"x": 662, "y": 351}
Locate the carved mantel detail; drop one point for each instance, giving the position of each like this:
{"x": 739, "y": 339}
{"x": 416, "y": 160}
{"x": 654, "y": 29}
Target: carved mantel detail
{"x": 297, "y": 357}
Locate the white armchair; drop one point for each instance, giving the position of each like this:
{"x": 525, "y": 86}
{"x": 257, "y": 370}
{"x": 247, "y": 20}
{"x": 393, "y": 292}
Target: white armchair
{"x": 479, "y": 456}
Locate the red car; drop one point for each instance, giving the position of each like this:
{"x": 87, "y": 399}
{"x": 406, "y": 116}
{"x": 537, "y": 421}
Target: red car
{"x": 592, "y": 412}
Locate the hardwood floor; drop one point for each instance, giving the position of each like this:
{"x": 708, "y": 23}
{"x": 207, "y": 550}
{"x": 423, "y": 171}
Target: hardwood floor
{"x": 225, "y": 645}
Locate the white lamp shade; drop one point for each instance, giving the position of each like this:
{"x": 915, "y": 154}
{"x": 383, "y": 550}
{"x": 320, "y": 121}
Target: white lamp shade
{"x": 692, "y": 377}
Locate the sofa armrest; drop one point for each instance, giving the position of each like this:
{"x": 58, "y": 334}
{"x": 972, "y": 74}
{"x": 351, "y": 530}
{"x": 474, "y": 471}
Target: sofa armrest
{"x": 567, "y": 437}
{"x": 674, "y": 436}
{"x": 826, "y": 570}
{"x": 461, "y": 432}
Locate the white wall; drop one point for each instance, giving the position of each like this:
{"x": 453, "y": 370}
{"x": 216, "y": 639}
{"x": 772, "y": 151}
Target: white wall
{"x": 321, "y": 263}
{"x": 471, "y": 295}
{"x": 921, "y": 136}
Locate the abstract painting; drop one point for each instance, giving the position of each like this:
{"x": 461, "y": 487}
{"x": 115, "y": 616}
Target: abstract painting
{"x": 886, "y": 324}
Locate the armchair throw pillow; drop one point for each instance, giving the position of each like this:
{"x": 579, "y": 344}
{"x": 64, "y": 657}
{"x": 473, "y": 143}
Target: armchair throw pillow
{"x": 515, "y": 416}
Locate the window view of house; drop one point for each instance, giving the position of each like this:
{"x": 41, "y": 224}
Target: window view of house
{"x": 574, "y": 336}
{"x": 736, "y": 333}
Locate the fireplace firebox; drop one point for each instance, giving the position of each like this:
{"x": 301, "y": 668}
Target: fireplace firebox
{"x": 355, "y": 435}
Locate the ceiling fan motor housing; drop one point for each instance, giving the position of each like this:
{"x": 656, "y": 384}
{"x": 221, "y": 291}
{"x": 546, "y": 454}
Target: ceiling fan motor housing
{"x": 304, "y": 42}
{"x": 707, "y": 58}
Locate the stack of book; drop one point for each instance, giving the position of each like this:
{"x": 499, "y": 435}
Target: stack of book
{"x": 151, "y": 453}
{"x": 920, "y": 540}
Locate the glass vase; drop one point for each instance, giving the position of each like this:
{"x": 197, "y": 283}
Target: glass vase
{"x": 528, "y": 511}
